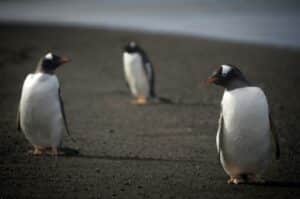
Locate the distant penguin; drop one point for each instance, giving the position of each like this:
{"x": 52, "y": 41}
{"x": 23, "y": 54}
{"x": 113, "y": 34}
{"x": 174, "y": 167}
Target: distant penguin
{"x": 41, "y": 115}
{"x": 246, "y": 131}
{"x": 139, "y": 73}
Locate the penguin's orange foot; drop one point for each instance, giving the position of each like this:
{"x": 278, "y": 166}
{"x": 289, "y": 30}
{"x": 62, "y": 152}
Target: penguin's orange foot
{"x": 140, "y": 101}
{"x": 236, "y": 180}
{"x": 37, "y": 151}
{"x": 55, "y": 152}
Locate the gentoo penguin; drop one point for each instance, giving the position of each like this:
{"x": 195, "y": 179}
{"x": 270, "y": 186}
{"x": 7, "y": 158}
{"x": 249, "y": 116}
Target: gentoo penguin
{"x": 41, "y": 115}
{"x": 246, "y": 131}
{"x": 139, "y": 73}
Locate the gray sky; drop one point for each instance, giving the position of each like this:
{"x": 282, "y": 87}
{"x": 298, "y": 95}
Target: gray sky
{"x": 274, "y": 22}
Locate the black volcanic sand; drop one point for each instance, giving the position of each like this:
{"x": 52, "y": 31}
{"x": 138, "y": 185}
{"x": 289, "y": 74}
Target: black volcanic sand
{"x": 154, "y": 151}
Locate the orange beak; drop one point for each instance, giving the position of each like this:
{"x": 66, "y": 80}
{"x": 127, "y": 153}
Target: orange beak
{"x": 65, "y": 60}
{"x": 211, "y": 80}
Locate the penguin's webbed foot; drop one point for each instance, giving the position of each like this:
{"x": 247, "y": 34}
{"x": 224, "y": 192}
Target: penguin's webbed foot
{"x": 236, "y": 180}
{"x": 246, "y": 179}
{"x": 55, "y": 152}
{"x": 140, "y": 101}
{"x": 40, "y": 151}
{"x": 37, "y": 151}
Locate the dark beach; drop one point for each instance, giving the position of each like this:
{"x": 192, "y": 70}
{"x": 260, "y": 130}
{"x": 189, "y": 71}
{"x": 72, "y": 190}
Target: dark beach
{"x": 153, "y": 151}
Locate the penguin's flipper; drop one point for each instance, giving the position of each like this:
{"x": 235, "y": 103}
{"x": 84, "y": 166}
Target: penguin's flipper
{"x": 149, "y": 70}
{"x": 62, "y": 109}
{"x": 126, "y": 83}
{"x": 275, "y": 137}
{"x": 151, "y": 77}
{"x": 18, "y": 120}
{"x": 219, "y": 138}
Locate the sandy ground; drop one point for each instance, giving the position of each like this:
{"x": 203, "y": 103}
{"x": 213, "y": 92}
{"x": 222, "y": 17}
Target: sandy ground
{"x": 154, "y": 151}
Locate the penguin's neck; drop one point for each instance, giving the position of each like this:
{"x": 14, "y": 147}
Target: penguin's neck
{"x": 41, "y": 69}
{"x": 237, "y": 83}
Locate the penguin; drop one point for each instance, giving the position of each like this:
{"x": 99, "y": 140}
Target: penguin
{"x": 139, "y": 73}
{"x": 41, "y": 116}
{"x": 246, "y": 130}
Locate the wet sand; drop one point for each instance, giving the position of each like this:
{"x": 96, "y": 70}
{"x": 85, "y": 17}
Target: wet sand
{"x": 153, "y": 151}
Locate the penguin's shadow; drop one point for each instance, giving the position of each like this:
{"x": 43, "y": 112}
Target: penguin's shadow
{"x": 70, "y": 152}
{"x": 279, "y": 184}
{"x": 126, "y": 158}
{"x": 180, "y": 102}
{"x": 183, "y": 103}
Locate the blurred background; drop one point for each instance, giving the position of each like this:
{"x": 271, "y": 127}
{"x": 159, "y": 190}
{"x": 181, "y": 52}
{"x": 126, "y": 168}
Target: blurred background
{"x": 275, "y": 22}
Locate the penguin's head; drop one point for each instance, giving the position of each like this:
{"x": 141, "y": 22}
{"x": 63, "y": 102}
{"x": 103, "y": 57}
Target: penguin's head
{"x": 132, "y": 47}
{"x": 50, "y": 62}
{"x": 226, "y": 75}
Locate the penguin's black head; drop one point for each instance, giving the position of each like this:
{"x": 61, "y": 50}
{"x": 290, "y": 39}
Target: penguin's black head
{"x": 228, "y": 76}
{"x": 132, "y": 47}
{"x": 50, "y": 62}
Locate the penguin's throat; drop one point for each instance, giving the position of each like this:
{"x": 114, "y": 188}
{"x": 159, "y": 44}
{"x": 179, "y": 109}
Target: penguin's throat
{"x": 236, "y": 83}
{"x": 41, "y": 69}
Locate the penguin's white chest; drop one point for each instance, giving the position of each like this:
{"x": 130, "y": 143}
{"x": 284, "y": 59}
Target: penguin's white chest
{"x": 136, "y": 75}
{"x": 246, "y": 144}
{"x": 40, "y": 113}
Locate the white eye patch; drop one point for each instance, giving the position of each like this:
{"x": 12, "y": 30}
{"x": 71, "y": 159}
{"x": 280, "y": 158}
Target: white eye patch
{"x": 49, "y": 56}
{"x": 225, "y": 69}
{"x": 132, "y": 44}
